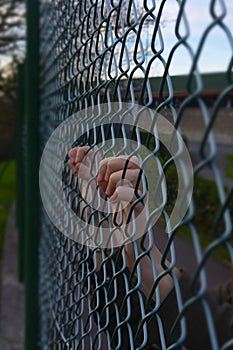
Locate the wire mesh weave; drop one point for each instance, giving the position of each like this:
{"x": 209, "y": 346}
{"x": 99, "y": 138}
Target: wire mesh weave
{"x": 94, "y": 52}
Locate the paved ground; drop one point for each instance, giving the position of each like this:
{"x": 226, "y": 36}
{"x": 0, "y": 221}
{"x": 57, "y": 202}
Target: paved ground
{"x": 11, "y": 292}
{"x": 216, "y": 272}
{"x": 220, "y": 161}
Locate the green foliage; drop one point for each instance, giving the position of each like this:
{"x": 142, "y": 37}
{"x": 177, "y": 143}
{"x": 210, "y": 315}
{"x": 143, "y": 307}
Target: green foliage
{"x": 205, "y": 196}
{"x": 7, "y": 195}
{"x": 208, "y": 206}
{"x": 206, "y": 201}
{"x": 229, "y": 169}
{"x": 7, "y": 132}
{"x": 8, "y": 113}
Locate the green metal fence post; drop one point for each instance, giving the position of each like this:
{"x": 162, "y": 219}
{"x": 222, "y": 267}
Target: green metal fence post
{"x": 20, "y": 168}
{"x": 32, "y": 183}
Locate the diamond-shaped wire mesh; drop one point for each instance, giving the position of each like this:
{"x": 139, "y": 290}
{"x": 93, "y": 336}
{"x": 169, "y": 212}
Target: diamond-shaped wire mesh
{"x": 94, "y": 52}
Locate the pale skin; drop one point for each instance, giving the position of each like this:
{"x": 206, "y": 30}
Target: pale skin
{"x": 109, "y": 179}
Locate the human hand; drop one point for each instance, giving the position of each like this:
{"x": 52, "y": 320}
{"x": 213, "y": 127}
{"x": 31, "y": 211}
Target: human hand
{"x": 120, "y": 180}
{"x": 83, "y": 162}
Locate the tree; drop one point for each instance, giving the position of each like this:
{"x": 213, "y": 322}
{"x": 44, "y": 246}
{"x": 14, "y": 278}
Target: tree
{"x": 12, "y": 48}
{"x": 12, "y": 44}
{"x": 8, "y": 80}
{"x": 12, "y": 28}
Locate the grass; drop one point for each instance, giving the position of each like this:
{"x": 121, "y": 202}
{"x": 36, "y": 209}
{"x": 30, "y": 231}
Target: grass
{"x": 229, "y": 169}
{"x": 7, "y": 195}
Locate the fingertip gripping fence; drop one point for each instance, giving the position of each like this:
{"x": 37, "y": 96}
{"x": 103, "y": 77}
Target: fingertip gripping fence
{"x": 94, "y": 52}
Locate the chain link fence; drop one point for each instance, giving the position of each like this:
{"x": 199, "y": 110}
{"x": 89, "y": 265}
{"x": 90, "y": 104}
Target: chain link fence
{"x": 103, "y": 52}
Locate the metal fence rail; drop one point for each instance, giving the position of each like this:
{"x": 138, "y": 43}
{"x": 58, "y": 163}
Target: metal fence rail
{"x": 95, "y": 52}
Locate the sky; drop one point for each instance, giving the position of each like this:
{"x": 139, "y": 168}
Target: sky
{"x": 217, "y": 50}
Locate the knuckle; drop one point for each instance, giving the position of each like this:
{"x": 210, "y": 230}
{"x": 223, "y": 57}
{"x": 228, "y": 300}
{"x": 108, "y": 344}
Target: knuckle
{"x": 102, "y": 162}
{"x": 102, "y": 166}
{"x": 109, "y": 166}
{"x": 71, "y": 152}
{"x": 135, "y": 160}
{"x": 112, "y": 178}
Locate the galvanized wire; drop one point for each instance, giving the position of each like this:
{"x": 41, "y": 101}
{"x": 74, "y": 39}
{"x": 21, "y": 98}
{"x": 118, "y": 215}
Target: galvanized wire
{"x": 94, "y": 52}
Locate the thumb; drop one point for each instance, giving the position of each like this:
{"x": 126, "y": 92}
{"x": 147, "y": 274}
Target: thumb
{"x": 126, "y": 195}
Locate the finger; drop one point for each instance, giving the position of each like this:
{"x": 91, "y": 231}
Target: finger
{"x": 77, "y": 154}
{"x": 81, "y": 153}
{"x": 122, "y": 201}
{"x": 119, "y": 163}
{"x": 102, "y": 169}
{"x": 115, "y": 180}
{"x": 113, "y": 164}
{"x": 123, "y": 193}
{"x": 127, "y": 195}
{"x": 73, "y": 166}
{"x": 101, "y": 174}
{"x": 72, "y": 157}
{"x": 72, "y": 153}
{"x": 92, "y": 159}
{"x": 76, "y": 157}
{"x": 82, "y": 171}
{"x": 75, "y": 169}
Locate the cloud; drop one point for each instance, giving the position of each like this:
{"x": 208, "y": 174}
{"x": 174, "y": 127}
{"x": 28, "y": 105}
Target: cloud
{"x": 197, "y": 18}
